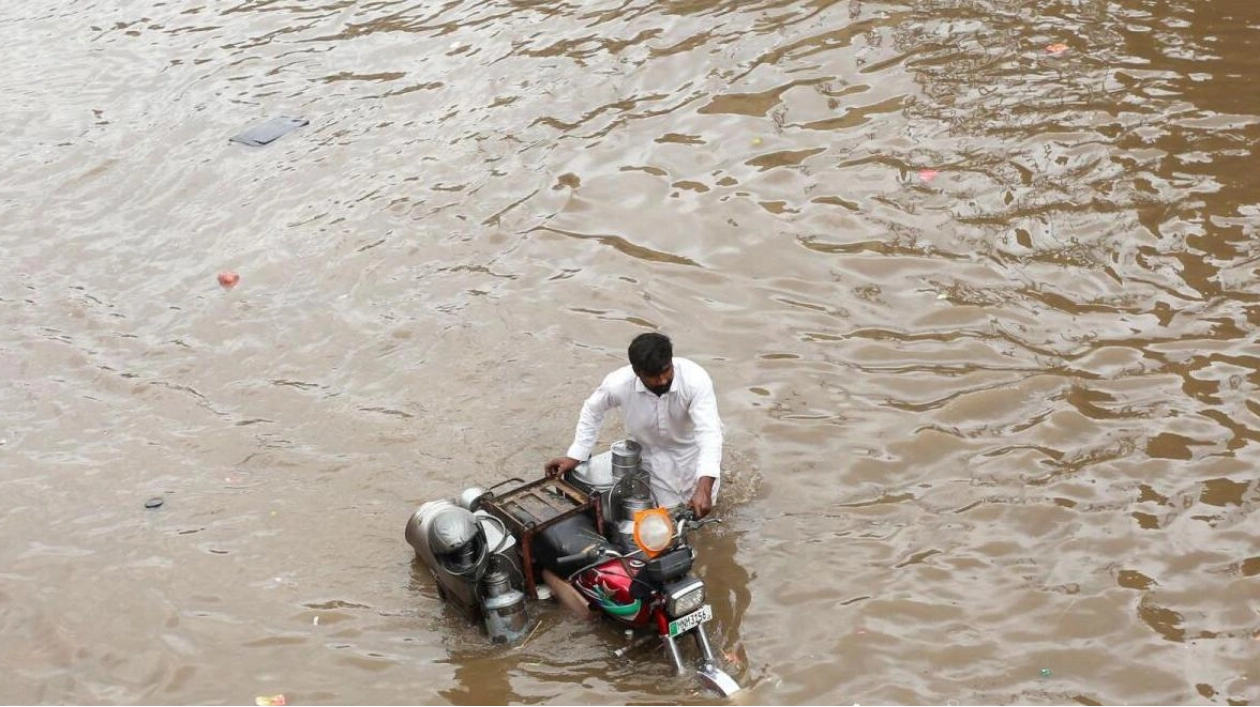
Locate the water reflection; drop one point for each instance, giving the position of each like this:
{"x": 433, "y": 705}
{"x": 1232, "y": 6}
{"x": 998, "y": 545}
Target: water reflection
{"x": 481, "y": 678}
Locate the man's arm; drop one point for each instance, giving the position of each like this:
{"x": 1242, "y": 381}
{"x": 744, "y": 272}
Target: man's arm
{"x": 590, "y": 420}
{"x": 708, "y": 428}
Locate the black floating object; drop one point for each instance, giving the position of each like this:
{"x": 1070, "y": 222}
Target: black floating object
{"x": 269, "y": 131}
{"x": 155, "y": 502}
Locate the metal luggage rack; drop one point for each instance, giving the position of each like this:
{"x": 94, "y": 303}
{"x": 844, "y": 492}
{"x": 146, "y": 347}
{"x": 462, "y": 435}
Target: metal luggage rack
{"x": 532, "y": 507}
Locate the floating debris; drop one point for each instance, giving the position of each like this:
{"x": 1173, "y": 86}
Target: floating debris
{"x": 269, "y": 131}
{"x": 155, "y": 502}
{"x": 228, "y": 280}
{"x": 1045, "y": 672}
{"x": 928, "y": 175}
{"x": 270, "y": 700}
{"x": 1056, "y": 48}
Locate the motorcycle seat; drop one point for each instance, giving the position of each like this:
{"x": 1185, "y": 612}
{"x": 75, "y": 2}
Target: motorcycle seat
{"x": 570, "y": 537}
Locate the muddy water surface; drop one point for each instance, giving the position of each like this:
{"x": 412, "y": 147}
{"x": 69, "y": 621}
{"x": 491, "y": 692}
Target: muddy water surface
{"x": 981, "y": 311}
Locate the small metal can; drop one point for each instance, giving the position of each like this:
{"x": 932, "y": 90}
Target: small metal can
{"x": 626, "y": 455}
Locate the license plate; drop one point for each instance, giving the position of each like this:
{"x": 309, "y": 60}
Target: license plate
{"x": 691, "y": 620}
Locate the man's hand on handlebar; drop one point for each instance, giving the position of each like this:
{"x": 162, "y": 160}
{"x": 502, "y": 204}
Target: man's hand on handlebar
{"x": 559, "y": 467}
{"x": 702, "y": 500}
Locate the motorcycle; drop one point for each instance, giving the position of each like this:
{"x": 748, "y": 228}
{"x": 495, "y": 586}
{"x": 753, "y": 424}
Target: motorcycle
{"x": 600, "y": 530}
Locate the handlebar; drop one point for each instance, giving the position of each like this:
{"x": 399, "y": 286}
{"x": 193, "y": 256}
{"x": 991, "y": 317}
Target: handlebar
{"x": 685, "y": 521}
{"x": 589, "y": 554}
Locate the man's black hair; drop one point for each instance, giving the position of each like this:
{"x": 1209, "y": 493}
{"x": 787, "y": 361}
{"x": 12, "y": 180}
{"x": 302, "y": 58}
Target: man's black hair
{"x": 651, "y": 353}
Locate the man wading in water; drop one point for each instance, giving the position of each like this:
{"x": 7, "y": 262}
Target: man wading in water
{"x": 670, "y": 409}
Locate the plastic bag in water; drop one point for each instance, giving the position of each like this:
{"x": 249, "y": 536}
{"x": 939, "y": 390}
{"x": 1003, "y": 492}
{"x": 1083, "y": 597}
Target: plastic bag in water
{"x": 269, "y": 131}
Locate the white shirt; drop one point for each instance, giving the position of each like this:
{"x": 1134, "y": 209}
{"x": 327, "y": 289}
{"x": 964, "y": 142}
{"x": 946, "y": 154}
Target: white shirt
{"x": 680, "y": 431}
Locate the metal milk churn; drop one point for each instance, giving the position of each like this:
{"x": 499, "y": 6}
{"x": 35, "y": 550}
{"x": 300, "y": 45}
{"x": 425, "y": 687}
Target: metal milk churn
{"x": 503, "y": 608}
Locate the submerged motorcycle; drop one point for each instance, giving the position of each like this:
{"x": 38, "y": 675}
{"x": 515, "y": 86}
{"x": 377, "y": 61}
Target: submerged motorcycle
{"x": 599, "y": 529}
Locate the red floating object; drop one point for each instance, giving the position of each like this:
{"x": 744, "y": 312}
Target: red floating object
{"x": 228, "y": 280}
{"x": 928, "y": 175}
{"x": 1057, "y": 48}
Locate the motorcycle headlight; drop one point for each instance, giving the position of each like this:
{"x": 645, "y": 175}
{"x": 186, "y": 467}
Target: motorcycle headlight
{"x": 653, "y": 531}
{"x": 685, "y": 597}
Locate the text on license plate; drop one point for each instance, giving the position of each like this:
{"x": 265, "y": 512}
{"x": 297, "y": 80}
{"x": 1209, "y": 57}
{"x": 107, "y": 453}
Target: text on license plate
{"x": 691, "y": 620}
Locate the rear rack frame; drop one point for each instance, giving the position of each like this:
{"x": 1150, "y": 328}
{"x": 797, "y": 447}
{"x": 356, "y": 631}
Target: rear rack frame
{"x": 534, "y": 506}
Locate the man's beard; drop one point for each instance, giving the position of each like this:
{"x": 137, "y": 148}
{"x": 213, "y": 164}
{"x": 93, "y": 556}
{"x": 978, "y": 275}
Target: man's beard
{"x": 660, "y": 389}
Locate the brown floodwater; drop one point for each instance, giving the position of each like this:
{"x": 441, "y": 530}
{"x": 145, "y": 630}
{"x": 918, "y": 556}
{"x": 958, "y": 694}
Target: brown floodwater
{"x": 982, "y": 313}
